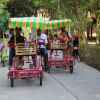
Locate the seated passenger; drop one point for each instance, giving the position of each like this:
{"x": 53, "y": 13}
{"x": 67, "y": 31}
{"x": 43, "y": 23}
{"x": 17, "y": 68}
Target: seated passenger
{"x": 55, "y": 42}
{"x": 20, "y": 39}
{"x": 63, "y": 36}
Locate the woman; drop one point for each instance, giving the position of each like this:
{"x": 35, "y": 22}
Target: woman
{"x": 76, "y": 47}
{"x": 63, "y": 36}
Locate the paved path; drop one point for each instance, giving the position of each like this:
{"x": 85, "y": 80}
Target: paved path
{"x": 83, "y": 84}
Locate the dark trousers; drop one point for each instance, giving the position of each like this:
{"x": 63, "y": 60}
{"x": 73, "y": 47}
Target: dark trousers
{"x": 11, "y": 55}
{"x": 44, "y": 54}
{"x": 75, "y": 53}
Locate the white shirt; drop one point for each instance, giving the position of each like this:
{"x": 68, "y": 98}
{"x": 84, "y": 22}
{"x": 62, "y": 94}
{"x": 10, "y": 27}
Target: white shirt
{"x": 43, "y": 37}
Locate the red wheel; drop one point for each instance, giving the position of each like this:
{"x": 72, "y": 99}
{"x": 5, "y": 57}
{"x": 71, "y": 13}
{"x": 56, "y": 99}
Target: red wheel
{"x": 71, "y": 69}
{"x": 41, "y": 79}
{"x": 48, "y": 69}
{"x": 11, "y": 79}
{"x": 12, "y": 82}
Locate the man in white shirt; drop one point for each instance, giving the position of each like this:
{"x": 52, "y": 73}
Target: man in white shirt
{"x": 43, "y": 50}
{"x": 43, "y": 40}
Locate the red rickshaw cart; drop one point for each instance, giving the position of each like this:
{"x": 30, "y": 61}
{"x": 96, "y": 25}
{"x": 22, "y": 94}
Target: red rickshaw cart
{"x": 67, "y": 60}
{"x": 30, "y": 71}
{"x": 16, "y": 72}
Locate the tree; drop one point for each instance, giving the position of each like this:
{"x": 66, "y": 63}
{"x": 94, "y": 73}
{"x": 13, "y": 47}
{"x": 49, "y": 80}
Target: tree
{"x": 73, "y": 9}
{"x": 20, "y": 8}
{"x": 28, "y": 7}
{"x": 4, "y": 15}
{"x": 51, "y": 5}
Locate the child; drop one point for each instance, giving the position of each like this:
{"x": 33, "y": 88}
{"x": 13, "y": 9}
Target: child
{"x": 55, "y": 42}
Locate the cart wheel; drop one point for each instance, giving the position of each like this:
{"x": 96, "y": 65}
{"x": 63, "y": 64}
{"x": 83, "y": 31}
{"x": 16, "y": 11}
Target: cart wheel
{"x": 11, "y": 82}
{"x": 41, "y": 79}
{"x": 71, "y": 69}
{"x": 48, "y": 69}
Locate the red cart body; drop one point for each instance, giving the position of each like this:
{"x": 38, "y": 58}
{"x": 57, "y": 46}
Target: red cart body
{"x": 65, "y": 62}
{"x": 25, "y": 73}
{"x": 16, "y": 72}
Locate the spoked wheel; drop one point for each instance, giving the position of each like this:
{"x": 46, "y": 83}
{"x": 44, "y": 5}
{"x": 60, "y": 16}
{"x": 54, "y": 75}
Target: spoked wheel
{"x": 12, "y": 82}
{"x": 48, "y": 69}
{"x": 41, "y": 79}
{"x": 71, "y": 69}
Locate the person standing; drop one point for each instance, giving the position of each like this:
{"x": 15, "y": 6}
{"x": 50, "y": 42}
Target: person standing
{"x": 19, "y": 36}
{"x": 43, "y": 50}
{"x": 14, "y": 39}
{"x": 76, "y": 47}
{"x": 11, "y": 44}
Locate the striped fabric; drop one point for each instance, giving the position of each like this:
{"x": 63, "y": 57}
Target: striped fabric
{"x": 35, "y": 23}
{"x": 56, "y": 24}
{"x": 26, "y": 22}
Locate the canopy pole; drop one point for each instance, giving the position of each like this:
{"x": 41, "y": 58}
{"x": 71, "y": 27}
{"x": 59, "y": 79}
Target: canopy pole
{"x": 69, "y": 28}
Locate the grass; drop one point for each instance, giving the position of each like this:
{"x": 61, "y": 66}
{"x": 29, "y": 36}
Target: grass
{"x": 91, "y": 55}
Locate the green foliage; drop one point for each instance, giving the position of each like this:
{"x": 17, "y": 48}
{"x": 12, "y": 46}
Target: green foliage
{"x": 91, "y": 55}
{"x": 4, "y": 15}
{"x": 45, "y": 3}
{"x": 73, "y": 9}
{"x": 27, "y": 7}
{"x": 20, "y": 7}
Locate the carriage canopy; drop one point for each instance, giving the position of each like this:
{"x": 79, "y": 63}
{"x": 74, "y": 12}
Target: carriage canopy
{"x": 37, "y": 22}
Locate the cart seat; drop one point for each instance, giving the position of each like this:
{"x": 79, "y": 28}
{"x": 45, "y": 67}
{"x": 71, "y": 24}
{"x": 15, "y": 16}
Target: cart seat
{"x": 21, "y": 50}
{"x": 59, "y": 46}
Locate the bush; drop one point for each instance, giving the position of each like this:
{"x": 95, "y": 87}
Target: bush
{"x": 91, "y": 55}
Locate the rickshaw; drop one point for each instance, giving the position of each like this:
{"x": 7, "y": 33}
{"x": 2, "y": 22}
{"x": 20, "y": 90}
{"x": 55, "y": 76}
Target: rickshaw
{"x": 16, "y": 72}
{"x": 66, "y": 61}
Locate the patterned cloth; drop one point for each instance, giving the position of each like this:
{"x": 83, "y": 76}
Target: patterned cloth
{"x": 1, "y": 46}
